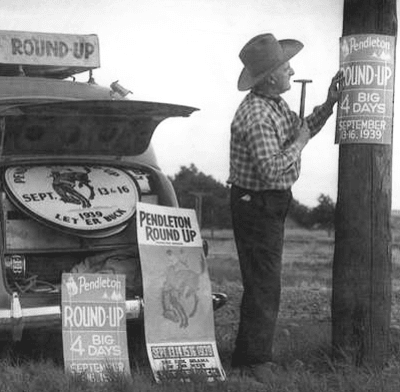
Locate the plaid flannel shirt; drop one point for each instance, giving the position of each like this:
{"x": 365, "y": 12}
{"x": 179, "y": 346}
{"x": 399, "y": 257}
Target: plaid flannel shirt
{"x": 264, "y": 153}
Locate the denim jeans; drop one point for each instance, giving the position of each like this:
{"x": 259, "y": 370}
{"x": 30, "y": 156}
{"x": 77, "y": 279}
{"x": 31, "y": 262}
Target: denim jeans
{"x": 258, "y": 225}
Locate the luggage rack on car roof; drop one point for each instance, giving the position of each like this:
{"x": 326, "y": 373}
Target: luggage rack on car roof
{"x": 50, "y": 72}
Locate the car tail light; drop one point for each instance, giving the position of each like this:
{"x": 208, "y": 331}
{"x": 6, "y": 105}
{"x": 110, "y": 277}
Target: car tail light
{"x": 15, "y": 266}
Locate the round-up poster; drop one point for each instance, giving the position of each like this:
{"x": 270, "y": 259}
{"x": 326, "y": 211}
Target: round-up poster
{"x": 80, "y": 199}
{"x": 365, "y": 109}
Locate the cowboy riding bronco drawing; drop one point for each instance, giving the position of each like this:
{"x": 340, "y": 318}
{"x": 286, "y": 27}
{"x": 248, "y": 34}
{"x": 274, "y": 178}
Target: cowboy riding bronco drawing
{"x": 179, "y": 292}
{"x": 65, "y": 182}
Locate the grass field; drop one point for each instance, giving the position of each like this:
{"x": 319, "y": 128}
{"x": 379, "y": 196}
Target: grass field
{"x": 302, "y": 346}
{"x": 303, "y": 341}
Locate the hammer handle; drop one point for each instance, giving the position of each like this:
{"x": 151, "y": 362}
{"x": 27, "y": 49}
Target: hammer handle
{"x": 302, "y": 100}
{"x": 303, "y": 94}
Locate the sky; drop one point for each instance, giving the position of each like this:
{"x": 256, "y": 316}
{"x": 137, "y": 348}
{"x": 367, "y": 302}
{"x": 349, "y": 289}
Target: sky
{"x": 186, "y": 52}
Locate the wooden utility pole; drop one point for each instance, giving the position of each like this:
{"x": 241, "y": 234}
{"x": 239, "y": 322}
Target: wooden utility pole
{"x": 361, "y": 299}
{"x": 199, "y": 206}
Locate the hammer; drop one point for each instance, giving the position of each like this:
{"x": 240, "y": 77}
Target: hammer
{"x": 303, "y": 94}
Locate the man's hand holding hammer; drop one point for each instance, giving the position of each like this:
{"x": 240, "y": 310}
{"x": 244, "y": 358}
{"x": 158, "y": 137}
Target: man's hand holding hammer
{"x": 303, "y": 136}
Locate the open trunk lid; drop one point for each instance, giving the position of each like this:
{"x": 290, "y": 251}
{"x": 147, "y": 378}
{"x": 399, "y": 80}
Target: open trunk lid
{"x": 97, "y": 127}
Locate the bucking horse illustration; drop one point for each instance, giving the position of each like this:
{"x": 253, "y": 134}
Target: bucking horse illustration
{"x": 65, "y": 183}
{"x": 179, "y": 293}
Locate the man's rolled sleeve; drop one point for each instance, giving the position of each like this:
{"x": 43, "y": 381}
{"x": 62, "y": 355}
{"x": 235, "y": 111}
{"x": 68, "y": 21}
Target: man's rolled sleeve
{"x": 317, "y": 119}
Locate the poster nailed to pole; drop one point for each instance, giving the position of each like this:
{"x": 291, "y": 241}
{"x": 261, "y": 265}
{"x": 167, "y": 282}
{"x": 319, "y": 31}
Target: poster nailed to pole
{"x": 365, "y": 110}
{"x": 178, "y": 312}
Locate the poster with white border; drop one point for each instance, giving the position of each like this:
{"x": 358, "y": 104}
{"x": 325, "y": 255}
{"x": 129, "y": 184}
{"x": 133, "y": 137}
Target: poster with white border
{"x": 365, "y": 108}
{"x": 94, "y": 325}
{"x": 178, "y": 311}
{"x": 27, "y": 47}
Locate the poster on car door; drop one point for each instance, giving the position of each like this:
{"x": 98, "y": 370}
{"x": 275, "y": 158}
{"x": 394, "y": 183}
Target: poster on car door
{"x": 365, "y": 110}
{"x": 178, "y": 311}
{"x": 94, "y": 325}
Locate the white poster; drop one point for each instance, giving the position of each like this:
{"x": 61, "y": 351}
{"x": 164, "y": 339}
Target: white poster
{"x": 365, "y": 110}
{"x": 94, "y": 325}
{"x": 178, "y": 315}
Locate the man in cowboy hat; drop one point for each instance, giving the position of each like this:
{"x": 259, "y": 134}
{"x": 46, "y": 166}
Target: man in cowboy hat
{"x": 265, "y": 150}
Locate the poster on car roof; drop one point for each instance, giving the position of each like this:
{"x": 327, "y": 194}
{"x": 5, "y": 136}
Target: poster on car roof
{"x": 94, "y": 325}
{"x": 178, "y": 311}
{"x": 49, "y": 49}
{"x": 365, "y": 110}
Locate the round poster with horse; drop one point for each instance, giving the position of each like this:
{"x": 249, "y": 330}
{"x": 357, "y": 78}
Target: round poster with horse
{"x": 81, "y": 199}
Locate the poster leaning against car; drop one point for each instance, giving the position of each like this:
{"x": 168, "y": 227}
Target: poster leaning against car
{"x": 178, "y": 318}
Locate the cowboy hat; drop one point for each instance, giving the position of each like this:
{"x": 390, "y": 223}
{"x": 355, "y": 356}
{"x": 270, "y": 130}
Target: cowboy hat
{"x": 262, "y": 55}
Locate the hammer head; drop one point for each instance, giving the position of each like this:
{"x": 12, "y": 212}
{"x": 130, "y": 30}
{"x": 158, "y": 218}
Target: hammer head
{"x": 303, "y": 81}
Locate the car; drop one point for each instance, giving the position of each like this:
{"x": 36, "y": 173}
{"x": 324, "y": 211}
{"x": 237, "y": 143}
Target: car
{"x": 75, "y": 157}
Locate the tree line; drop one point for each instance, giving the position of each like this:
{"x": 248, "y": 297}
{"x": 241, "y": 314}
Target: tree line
{"x": 210, "y": 198}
